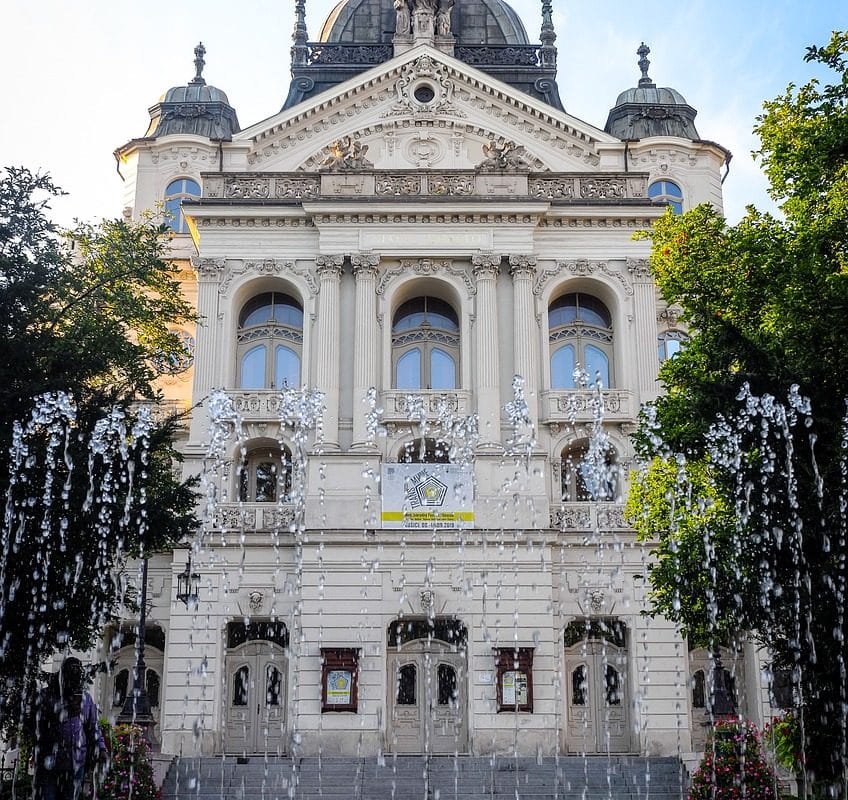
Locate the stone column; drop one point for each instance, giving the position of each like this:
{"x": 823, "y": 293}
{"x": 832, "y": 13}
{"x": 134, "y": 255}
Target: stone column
{"x": 645, "y": 319}
{"x": 209, "y": 272}
{"x": 486, "y": 355}
{"x": 525, "y": 331}
{"x": 327, "y": 376}
{"x": 365, "y": 339}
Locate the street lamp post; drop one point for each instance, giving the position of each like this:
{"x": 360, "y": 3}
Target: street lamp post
{"x": 136, "y": 708}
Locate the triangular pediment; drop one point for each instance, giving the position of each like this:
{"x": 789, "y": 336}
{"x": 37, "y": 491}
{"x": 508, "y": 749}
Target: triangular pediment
{"x": 423, "y": 110}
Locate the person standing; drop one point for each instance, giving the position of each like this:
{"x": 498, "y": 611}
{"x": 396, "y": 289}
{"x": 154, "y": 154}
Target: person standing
{"x": 68, "y": 737}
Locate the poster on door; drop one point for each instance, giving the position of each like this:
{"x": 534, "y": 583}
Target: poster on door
{"x": 427, "y": 496}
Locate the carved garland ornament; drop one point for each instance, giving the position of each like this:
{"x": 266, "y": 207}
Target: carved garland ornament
{"x": 426, "y": 266}
{"x": 268, "y": 266}
{"x": 436, "y": 75}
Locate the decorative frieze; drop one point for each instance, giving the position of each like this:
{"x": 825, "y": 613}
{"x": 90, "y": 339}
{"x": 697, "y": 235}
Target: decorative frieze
{"x": 571, "y": 406}
{"x": 582, "y": 268}
{"x": 553, "y": 188}
{"x": 423, "y": 267}
{"x": 452, "y": 185}
{"x": 589, "y": 517}
{"x": 254, "y": 517}
{"x": 603, "y": 188}
{"x": 235, "y": 268}
{"x": 396, "y": 406}
{"x": 397, "y": 185}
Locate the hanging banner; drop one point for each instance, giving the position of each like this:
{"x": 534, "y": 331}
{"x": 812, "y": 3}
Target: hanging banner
{"x": 427, "y": 496}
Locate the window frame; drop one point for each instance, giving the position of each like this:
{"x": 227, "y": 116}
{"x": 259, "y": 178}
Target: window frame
{"x": 663, "y": 195}
{"x": 248, "y": 465}
{"x": 579, "y": 335}
{"x": 340, "y": 659}
{"x": 270, "y": 335}
{"x": 177, "y": 221}
{"x": 514, "y": 660}
{"x": 428, "y": 339}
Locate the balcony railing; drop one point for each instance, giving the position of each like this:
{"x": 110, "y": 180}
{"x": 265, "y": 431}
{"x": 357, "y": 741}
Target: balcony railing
{"x": 254, "y": 517}
{"x": 588, "y": 517}
{"x": 564, "y": 406}
{"x": 397, "y": 406}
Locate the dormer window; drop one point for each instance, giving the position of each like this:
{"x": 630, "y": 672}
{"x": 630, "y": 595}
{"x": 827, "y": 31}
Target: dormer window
{"x": 177, "y": 191}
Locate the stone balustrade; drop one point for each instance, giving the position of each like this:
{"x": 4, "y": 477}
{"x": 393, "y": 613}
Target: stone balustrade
{"x": 396, "y": 405}
{"x": 255, "y": 517}
{"x": 564, "y": 406}
{"x": 559, "y": 187}
{"x": 572, "y": 517}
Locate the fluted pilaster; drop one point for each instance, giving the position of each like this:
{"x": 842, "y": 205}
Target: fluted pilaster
{"x": 487, "y": 357}
{"x": 365, "y": 339}
{"x": 327, "y": 377}
{"x": 523, "y": 269}
{"x": 645, "y": 317}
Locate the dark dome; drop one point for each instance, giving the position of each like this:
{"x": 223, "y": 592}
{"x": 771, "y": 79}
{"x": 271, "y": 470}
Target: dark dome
{"x": 648, "y": 110}
{"x": 474, "y": 22}
{"x": 195, "y": 108}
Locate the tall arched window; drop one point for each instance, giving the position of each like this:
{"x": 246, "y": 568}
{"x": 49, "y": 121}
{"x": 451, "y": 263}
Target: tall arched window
{"x": 265, "y": 475}
{"x": 667, "y": 192}
{"x": 588, "y": 474}
{"x": 270, "y": 342}
{"x": 177, "y": 191}
{"x": 580, "y": 333}
{"x": 669, "y": 344}
{"x": 425, "y": 451}
{"x": 425, "y": 345}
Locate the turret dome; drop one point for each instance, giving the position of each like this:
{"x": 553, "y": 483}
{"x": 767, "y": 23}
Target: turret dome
{"x": 196, "y": 108}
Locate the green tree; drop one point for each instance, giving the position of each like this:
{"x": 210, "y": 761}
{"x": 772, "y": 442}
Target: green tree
{"x": 746, "y": 493}
{"x": 86, "y": 312}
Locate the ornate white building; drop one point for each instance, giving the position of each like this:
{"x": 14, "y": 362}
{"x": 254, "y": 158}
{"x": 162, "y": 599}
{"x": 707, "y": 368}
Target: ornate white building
{"x": 424, "y": 218}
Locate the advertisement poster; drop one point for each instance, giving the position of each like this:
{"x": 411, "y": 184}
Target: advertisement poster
{"x": 514, "y": 688}
{"x": 427, "y": 496}
{"x": 339, "y": 682}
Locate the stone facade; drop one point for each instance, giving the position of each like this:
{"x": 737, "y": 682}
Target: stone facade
{"x": 421, "y": 178}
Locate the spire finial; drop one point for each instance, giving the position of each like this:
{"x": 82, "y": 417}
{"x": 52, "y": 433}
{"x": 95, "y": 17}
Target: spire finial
{"x": 199, "y": 63}
{"x": 548, "y": 36}
{"x": 300, "y": 37}
{"x": 642, "y": 52}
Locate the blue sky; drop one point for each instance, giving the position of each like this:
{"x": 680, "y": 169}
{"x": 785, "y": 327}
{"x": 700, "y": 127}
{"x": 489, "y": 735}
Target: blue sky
{"x": 78, "y": 77}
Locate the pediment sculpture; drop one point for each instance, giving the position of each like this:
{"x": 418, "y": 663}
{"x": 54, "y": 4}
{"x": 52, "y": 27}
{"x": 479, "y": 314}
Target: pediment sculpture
{"x": 501, "y": 154}
{"x": 346, "y": 153}
{"x": 423, "y": 18}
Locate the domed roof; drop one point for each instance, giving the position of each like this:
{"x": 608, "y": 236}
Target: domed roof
{"x": 649, "y": 110}
{"x": 195, "y": 108}
{"x": 474, "y": 22}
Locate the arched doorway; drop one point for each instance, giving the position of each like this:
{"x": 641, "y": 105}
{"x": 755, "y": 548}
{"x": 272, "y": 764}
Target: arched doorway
{"x": 596, "y": 681}
{"x": 122, "y": 661}
{"x": 427, "y": 686}
{"x": 701, "y": 681}
{"x": 256, "y": 689}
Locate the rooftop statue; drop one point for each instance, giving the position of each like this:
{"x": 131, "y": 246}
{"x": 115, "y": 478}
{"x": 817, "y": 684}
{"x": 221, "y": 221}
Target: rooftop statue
{"x": 403, "y": 25}
{"x": 443, "y": 18}
{"x": 502, "y": 154}
{"x": 346, "y": 153}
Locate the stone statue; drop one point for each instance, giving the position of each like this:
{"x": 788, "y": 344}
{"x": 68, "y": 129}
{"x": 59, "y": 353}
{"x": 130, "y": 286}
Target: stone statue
{"x": 423, "y": 17}
{"x": 403, "y": 26}
{"x": 346, "y": 153}
{"x": 501, "y": 154}
{"x": 443, "y": 18}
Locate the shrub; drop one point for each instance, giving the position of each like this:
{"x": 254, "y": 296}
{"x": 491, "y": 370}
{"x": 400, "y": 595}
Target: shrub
{"x": 733, "y": 766}
{"x": 130, "y": 775}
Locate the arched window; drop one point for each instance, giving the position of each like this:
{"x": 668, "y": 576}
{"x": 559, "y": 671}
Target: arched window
{"x": 580, "y": 333}
{"x": 177, "y": 191}
{"x": 667, "y": 192}
{"x": 424, "y": 451}
{"x": 265, "y": 475}
{"x": 588, "y": 474}
{"x": 669, "y": 343}
{"x": 425, "y": 345}
{"x": 270, "y": 342}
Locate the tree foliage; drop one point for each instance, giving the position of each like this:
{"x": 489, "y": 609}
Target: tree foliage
{"x": 751, "y": 426}
{"x": 86, "y": 320}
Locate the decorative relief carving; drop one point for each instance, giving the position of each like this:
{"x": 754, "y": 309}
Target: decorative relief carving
{"x": 346, "y": 154}
{"x": 398, "y": 185}
{"x": 424, "y": 69}
{"x": 670, "y": 316}
{"x": 520, "y": 265}
{"x": 248, "y": 188}
{"x": 234, "y": 517}
{"x": 571, "y": 517}
{"x": 329, "y": 266}
{"x": 581, "y": 267}
{"x": 500, "y": 154}
{"x": 209, "y": 267}
{"x": 611, "y": 517}
{"x": 426, "y": 266}
{"x": 603, "y": 188}
{"x": 297, "y": 188}
{"x": 424, "y": 150}
{"x": 485, "y": 265}
{"x": 268, "y": 266}
{"x": 365, "y": 264}
{"x": 639, "y": 268}
{"x": 552, "y": 188}
{"x": 582, "y": 403}
{"x": 445, "y": 185}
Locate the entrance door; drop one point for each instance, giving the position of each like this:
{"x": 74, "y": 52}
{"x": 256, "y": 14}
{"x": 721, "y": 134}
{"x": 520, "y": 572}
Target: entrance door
{"x": 597, "y": 715}
{"x": 427, "y": 699}
{"x": 256, "y": 698}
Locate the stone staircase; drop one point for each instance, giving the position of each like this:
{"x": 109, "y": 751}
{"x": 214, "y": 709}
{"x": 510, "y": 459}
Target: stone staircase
{"x": 417, "y": 778}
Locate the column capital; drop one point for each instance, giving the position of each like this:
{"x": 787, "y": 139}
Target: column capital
{"x": 524, "y": 266}
{"x": 365, "y": 264}
{"x": 639, "y": 269}
{"x": 485, "y": 265}
{"x": 209, "y": 269}
{"x": 329, "y": 266}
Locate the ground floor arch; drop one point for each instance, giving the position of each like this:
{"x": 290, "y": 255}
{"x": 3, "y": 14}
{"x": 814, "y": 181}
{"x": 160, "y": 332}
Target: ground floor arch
{"x": 255, "y": 697}
{"x": 597, "y": 693}
{"x": 427, "y": 687}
